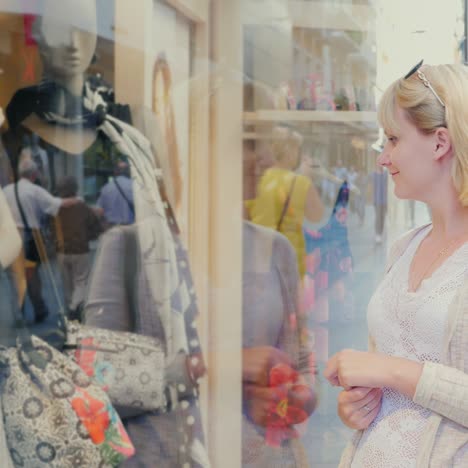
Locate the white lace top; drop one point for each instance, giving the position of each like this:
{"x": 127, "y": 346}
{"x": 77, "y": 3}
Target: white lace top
{"x": 409, "y": 325}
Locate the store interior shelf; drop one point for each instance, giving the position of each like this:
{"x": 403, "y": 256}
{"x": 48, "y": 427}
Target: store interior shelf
{"x": 257, "y": 125}
{"x": 265, "y": 116}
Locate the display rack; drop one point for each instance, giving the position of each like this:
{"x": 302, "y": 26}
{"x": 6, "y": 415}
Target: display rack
{"x": 310, "y": 123}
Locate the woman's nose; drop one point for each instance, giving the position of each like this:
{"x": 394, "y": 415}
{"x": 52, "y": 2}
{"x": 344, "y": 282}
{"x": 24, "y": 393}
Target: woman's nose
{"x": 384, "y": 157}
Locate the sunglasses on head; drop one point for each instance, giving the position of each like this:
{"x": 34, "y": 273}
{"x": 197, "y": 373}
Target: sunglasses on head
{"x": 420, "y": 74}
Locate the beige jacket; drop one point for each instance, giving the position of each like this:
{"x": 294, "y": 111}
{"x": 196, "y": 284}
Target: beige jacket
{"x": 443, "y": 388}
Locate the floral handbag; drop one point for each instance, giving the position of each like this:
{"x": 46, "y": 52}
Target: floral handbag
{"x": 129, "y": 367}
{"x": 54, "y": 415}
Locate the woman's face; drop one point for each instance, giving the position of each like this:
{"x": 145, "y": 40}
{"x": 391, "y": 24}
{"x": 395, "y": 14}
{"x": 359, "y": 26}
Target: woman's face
{"x": 407, "y": 155}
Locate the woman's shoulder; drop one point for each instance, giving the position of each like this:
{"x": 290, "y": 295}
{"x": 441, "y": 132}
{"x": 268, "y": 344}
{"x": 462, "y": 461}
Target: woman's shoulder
{"x": 402, "y": 242}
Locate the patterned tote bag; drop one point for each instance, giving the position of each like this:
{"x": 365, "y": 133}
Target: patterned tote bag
{"x": 54, "y": 415}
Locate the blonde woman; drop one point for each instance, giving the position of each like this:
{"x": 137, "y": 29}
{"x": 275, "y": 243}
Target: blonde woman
{"x": 284, "y": 198}
{"x": 408, "y": 395}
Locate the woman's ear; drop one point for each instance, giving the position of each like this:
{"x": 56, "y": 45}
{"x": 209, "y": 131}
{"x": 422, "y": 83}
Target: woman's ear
{"x": 442, "y": 144}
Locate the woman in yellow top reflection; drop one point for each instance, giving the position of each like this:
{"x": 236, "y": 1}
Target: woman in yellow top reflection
{"x": 284, "y": 198}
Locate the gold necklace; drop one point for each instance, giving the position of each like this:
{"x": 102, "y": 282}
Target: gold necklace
{"x": 415, "y": 285}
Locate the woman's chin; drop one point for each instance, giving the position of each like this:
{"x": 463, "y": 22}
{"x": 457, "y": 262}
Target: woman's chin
{"x": 401, "y": 193}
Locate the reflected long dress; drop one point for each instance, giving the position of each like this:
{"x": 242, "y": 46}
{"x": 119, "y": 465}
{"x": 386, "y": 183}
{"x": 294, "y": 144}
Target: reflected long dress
{"x": 270, "y": 318}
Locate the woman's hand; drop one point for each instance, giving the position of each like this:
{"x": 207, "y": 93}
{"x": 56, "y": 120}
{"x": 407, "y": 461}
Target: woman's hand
{"x": 358, "y": 407}
{"x": 350, "y": 368}
{"x": 265, "y": 404}
{"x": 258, "y": 402}
{"x": 257, "y": 363}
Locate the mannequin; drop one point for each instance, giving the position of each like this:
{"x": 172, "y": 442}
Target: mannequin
{"x": 66, "y": 53}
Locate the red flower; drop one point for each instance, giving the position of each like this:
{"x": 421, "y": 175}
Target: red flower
{"x": 282, "y": 374}
{"x": 284, "y": 412}
{"x": 94, "y": 416}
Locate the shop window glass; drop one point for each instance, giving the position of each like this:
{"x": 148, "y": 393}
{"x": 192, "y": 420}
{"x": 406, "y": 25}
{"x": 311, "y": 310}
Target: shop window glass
{"x": 193, "y": 221}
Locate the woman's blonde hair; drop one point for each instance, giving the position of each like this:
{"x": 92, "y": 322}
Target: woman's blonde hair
{"x": 284, "y": 143}
{"x": 424, "y": 110}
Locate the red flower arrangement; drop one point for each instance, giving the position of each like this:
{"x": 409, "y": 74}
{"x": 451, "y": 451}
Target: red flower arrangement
{"x": 288, "y": 407}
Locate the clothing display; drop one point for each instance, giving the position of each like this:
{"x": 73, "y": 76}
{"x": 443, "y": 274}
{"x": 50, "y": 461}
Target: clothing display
{"x": 438, "y": 412}
{"x": 267, "y": 207}
{"x": 166, "y": 308}
{"x": 114, "y": 304}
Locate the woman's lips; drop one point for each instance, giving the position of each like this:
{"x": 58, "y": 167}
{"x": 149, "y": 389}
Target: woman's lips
{"x": 394, "y": 173}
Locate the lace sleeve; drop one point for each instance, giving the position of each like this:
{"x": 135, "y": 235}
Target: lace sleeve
{"x": 442, "y": 388}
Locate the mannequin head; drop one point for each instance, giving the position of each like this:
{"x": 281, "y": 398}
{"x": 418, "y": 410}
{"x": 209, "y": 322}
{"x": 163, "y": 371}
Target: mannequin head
{"x": 66, "y": 34}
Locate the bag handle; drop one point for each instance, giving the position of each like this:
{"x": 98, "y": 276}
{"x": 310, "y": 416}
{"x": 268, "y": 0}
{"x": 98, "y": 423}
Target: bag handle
{"x": 129, "y": 203}
{"x": 20, "y": 207}
{"x": 19, "y": 319}
{"x": 37, "y": 238}
{"x": 286, "y": 204}
{"x": 130, "y": 273}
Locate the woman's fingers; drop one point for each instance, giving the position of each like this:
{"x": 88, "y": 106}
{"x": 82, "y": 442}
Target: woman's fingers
{"x": 358, "y": 407}
{"x": 366, "y": 421}
{"x": 353, "y": 395}
{"x": 370, "y": 400}
{"x": 331, "y": 371}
